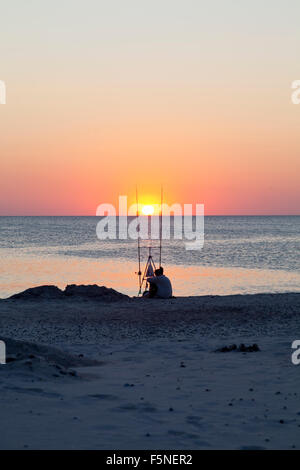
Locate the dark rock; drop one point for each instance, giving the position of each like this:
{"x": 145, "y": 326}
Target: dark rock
{"x": 232, "y": 347}
{"x": 10, "y": 359}
{"x": 95, "y": 292}
{"x": 242, "y": 348}
{"x": 41, "y": 292}
{"x": 252, "y": 348}
{"x": 83, "y": 292}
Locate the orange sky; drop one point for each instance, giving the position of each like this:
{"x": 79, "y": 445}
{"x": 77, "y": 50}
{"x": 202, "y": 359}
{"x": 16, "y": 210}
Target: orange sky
{"x": 99, "y": 101}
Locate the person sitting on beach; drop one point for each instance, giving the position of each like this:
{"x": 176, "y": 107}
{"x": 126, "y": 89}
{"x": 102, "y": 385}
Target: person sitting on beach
{"x": 160, "y": 285}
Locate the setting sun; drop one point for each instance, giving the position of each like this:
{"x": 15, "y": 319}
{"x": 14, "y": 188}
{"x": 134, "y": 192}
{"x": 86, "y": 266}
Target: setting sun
{"x": 148, "y": 210}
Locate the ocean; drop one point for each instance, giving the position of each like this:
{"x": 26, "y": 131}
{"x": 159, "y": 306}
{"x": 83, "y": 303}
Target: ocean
{"x": 241, "y": 254}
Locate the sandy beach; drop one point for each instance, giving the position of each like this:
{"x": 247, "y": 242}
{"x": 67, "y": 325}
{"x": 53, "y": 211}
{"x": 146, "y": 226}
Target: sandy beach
{"x": 111, "y": 372}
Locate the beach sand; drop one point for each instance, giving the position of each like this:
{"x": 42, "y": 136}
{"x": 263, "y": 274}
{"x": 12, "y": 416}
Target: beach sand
{"x": 121, "y": 373}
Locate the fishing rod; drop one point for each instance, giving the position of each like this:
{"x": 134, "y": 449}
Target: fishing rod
{"x": 150, "y": 265}
{"x": 160, "y": 224}
{"x": 139, "y": 245}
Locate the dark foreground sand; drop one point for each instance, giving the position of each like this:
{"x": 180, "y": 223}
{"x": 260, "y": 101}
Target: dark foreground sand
{"x": 118, "y": 373}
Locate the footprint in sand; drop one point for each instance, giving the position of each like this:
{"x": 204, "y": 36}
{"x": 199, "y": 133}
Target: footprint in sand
{"x": 195, "y": 421}
{"x": 174, "y": 432}
{"x": 102, "y": 396}
{"x": 141, "y": 407}
{"x": 251, "y": 448}
{"x": 38, "y": 391}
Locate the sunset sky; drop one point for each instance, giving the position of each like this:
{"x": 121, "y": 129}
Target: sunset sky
{"x": 194, "y": 95}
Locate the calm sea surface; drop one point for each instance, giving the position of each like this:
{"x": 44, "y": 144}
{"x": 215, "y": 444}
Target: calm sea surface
{"x": 241, "y": 254}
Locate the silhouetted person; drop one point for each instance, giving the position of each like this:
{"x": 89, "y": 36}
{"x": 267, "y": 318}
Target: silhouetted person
{"x": 160, "y": 285}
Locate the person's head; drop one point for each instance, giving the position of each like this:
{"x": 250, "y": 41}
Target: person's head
{"x": 159, "y": 271}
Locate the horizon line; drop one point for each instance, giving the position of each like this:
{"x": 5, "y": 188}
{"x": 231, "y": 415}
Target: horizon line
{"x": 154, "y": 215}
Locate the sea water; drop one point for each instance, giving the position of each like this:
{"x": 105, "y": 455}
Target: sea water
{"x": 241, "y": 254}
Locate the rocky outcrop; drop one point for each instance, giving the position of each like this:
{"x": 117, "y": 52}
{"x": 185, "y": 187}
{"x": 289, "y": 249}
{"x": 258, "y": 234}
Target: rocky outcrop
{"x": 91, "y": 292}
{"x": 240, "y": 348}
{"x": 40, "y": 292}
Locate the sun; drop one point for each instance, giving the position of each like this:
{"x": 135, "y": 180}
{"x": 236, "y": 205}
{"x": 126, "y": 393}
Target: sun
{"x": 148, "y": 210}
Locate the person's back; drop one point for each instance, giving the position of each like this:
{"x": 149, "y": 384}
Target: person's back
{"x": 162, "y": 283}
{"x": 164, "y": 287}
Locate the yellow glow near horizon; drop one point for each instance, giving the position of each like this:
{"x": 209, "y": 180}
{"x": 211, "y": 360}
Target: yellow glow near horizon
{"x": 148, "y": 210}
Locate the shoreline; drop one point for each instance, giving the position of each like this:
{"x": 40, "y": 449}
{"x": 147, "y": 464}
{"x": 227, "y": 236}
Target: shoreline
{"x": 103, "y": 314}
